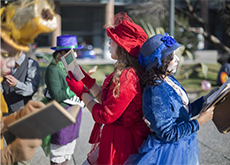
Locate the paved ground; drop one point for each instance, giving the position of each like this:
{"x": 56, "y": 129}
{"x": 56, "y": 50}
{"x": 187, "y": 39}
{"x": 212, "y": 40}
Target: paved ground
{"x": 82, "y": 146}
{"x": 215, "y": 147}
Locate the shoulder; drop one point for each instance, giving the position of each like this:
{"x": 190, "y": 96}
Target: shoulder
{"x": 129, "y": 74}
{"x": 51, "y": 66}
{"x": 157, "y": 92}
{"x": 32, "y": 62}
{"x": 173, "y": 78}
{"x": 51, "y": 69}
{"x": 226, "y": 68}
{"x": 176, "y": 82}
{"x": 226, "y": 64}
{"x": 156, "y": 99}
{"x": 156, "y": 89}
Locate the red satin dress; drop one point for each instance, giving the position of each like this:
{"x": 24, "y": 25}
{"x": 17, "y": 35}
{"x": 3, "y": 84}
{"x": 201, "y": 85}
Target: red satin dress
{"x": 124, "y": 129}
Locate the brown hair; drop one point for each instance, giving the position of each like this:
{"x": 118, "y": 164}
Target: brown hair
{"x": 154, "y": 76}
{"x": 124, "y": 61}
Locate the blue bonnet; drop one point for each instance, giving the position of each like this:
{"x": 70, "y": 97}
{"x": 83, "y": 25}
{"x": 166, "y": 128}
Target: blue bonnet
{"x": 155, "y": 49}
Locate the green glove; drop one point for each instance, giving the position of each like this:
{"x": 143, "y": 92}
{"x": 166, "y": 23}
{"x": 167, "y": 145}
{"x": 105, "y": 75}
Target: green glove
{"x": 69, "y": 92}
{"x": 46, "y": 145}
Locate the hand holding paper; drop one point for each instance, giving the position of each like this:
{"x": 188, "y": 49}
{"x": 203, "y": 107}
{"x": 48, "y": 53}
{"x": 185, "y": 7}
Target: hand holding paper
{"x": 221, "y": 100}
{"x": 76, "y": 86}
{"x": 30, "y": 107}
{"x": 70, "y": 63}
{"x": 205, "y": 116}
{"x": 92, "y": 70}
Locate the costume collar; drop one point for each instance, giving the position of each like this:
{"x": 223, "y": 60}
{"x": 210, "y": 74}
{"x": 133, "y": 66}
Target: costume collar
{"x": 21, "y": 59}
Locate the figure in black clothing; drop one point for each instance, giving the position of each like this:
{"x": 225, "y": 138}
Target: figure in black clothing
{"x": 224, "y": 73}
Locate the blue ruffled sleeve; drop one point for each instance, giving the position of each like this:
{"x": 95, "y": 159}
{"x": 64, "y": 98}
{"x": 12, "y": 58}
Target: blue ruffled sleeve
{"x": 196, "y": 106}
{"x": 164, "y": 117}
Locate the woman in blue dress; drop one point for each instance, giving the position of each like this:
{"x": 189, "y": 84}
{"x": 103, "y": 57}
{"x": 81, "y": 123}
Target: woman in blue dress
{"x": 166, "y": 106}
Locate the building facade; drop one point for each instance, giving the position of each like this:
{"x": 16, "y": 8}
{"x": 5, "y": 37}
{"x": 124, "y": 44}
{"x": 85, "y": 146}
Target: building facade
{"x": 86, "y": 18}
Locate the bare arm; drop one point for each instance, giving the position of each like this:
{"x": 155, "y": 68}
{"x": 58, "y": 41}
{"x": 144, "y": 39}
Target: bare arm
{"x": 96, "y": 92}
{"x": 89, "y": 101}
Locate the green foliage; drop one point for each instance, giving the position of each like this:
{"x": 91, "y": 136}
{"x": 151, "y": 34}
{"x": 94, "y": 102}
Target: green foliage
{"x": 45, "y": 61}
{"x": 189, "y": 54}
{"x": 48, "y": 57}
{"x": 188, "y": 72}
{"x": 101, "y": 72}
{"x": 193, "y": 82}
{"x": 188, "y": 39}
{"x": 204, "y": 70}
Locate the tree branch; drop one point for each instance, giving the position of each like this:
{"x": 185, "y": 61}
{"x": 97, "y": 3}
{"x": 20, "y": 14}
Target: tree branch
{"x": 209, "y": 37}
{"x": 193, "y": 15}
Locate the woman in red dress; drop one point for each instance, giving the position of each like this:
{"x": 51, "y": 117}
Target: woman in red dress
{"x": 119, "y": 126}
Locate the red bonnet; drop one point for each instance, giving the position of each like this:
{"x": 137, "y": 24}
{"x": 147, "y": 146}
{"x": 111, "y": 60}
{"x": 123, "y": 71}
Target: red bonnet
{"x": 129, "y": 36}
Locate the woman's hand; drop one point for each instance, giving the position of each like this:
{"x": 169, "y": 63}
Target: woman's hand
{"x": 205, "y": 116}
{"x": 30, "y": 107}
{"x": 11, "y": 80}
{"x": 76, "y": 86}
{"x": 92, "y": 70}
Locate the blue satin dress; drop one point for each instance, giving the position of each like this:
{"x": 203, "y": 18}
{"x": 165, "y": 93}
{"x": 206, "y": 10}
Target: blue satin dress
{"x": 174, "y": 138}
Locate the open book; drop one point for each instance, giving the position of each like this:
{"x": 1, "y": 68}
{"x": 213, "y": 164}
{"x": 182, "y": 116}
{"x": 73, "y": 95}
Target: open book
{"x": 217, "y": 96}
{"x": 74, "y": 101}
{"x": 70, "y": 63}
{"x": 221, "y": 100}
{"x": 45, "y": 121}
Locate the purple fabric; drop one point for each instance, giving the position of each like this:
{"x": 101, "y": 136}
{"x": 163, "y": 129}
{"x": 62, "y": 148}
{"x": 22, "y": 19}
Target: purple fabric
{"x": 67, "y": 42}
{"x": 69, "y": 133}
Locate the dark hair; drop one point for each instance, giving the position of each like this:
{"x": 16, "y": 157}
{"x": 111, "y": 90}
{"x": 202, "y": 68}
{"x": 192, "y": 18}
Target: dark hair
{"x": 124, "y": 61}
{"x": 55, "y": 54}
{"x": 229, "y": 60}
{"x": 58, "y": 52}
{"x": 154, "y": 76}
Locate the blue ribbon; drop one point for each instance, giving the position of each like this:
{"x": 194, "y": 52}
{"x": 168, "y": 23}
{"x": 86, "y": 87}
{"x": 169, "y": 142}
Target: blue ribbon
{"x": 168, "y": 41}
{"x": 144, "y": 61}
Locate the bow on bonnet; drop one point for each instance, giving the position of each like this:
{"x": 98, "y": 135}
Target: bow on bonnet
{"x": 168, "y": 42}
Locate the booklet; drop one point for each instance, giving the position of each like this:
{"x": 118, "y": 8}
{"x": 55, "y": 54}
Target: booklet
{"x": 217, "y": 96}
{"x": 74, "y": 101}
{"x": 221, "y": 100}
{"x": 70, "y": 63}
{"x": 221, "y": 116}
{"x": 45, "y": 121}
